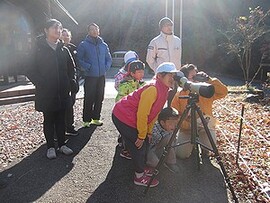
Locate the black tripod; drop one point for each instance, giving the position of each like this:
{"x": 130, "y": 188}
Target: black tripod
{"x": 193, "y": 98}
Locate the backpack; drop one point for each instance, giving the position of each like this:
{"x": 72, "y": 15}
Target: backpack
{"x": 119, "y": 77}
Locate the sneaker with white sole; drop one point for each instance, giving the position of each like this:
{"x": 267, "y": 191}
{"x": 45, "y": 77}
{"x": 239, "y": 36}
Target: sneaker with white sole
{"x": 144, "y": 180}
{"x": 125, "y": 154}
{"x": 149, "y": 171}
{"x": 72, "y": 132}
{"x": 86, "y": 124}
{"x": 96, "y": 122}
{"x": 66, "y": 150}
{"x": 51, "y": 153}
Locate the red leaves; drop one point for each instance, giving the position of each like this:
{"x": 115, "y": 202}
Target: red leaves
{"x": 251, "y": 179}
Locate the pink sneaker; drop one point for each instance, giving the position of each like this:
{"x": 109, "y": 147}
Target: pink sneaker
{"x": 144, "y": 180}
{"x": 149, "y": 171}
{"x": 125, "y": 154}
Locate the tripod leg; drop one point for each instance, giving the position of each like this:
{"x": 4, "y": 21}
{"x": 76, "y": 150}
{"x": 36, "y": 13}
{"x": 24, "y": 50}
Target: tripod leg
{"x": 198, "y": 150}
{"x": 195, "y": 137}
{"x": 217, "y": 156}
{"x": 167, "y": 148}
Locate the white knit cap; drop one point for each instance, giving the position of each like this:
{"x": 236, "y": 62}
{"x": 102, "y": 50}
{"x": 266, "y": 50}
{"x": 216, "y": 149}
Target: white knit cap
{"x": 130, "y": 56}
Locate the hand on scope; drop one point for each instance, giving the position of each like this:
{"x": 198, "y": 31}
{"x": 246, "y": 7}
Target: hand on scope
{"x": 201, "y": 77}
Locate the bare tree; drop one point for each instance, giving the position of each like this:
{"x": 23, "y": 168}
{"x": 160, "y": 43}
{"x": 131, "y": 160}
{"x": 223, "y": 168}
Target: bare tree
{"x": 242, "y": 34}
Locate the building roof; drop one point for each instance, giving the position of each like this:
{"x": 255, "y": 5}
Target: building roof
{"x": 41, "y": 10}
{"x": 62, "y": 9}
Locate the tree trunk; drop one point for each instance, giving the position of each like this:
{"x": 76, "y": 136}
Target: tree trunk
{"x": 248, "y": 61}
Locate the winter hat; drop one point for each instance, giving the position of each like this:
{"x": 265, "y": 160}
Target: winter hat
{"x": 165, "y": 21}
{"x": 166, "y": 67}
{"x": 130, "y": 56}
{"x": 135, "y": 65}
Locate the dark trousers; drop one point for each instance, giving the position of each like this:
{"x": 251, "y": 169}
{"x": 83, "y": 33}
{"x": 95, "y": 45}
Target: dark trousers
{"x": 171, "y": 95}
{"x": 130, "y": 136}
{"x": 93, "y": 97}
{"x": 69, "y": 114}
{"x": 54, "y": 122}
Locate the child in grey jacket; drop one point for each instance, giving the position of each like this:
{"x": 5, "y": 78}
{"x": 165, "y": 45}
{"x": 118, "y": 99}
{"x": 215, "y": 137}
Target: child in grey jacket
{"x": 162, "y": 132}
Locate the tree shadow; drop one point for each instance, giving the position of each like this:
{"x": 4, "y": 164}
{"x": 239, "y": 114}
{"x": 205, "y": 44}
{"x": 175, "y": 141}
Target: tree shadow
{"x": 190, "y": 185}
{"x": 32, "y": 177}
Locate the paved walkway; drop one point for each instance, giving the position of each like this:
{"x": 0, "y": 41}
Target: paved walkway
{"x": 96, "y": 172}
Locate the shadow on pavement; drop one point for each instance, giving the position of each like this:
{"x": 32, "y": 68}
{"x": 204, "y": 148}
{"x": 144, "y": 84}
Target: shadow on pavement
{"x": 190, "y": 185}
{"x": 35, "y": 175}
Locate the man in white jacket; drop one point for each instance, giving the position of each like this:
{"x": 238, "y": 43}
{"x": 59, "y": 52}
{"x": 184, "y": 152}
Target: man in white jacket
{"x": 166, "y": 47}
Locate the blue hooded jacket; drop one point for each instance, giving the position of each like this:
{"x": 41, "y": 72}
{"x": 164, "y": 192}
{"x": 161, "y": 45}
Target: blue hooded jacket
{"x": 94, "y": 56}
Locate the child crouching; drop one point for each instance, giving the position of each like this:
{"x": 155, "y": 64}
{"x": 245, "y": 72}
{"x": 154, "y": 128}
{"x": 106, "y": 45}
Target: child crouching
{"x": 134, "y": 117}
{"x": 162, "y": 132}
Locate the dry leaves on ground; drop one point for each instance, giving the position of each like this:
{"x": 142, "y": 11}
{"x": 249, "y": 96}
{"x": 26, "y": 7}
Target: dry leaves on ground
{"x": 251, "y": 179}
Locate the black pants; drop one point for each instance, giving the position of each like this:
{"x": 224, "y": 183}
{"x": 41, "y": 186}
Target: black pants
{"x": 130, "y": 136}
{"x": 54, "y": 122}
{"x": 69, "y": 114}
{"x": 93, "y": 97}
{"x": 171, "y": 95}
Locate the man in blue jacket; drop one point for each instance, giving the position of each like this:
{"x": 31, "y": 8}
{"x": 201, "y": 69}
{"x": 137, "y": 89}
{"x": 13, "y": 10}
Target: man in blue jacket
{"x": 95, "y": 59}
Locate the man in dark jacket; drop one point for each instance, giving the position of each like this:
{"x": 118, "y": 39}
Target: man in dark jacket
{"x": 52, "y": 73}
{"x": 95, "y": 59}
{"x": 69, "y": 117}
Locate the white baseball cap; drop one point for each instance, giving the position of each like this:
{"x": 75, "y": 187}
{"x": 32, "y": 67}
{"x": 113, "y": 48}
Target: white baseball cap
{"x": 130, "y": 56}
{"x": 166, "y": 67}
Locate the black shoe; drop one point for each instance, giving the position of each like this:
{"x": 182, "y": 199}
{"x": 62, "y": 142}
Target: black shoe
{"x": 72, "y": 132}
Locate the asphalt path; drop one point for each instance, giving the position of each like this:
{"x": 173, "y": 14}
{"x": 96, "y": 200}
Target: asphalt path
{"x": 96, "y": 173}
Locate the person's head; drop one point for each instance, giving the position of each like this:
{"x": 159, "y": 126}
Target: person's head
{"x": 166, "y": 26}
{"x": 165, "y": 73}
{"x": 93, "y": 30}
{"x": 130, "y": 56}
{"x": 189, "y": 70}
{"x": 168, "y": 118}
{"x": 66, "y": 36}
{"x": 53, "y": 29}
{"x": 136, "y": 69}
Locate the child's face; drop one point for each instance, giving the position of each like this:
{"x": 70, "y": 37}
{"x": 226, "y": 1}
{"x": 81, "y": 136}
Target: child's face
{"x": 66, "y": 37}
{"x": 167, "y": 79}
{"x": 169, "y": 125}
{"x": 138, "y": 75}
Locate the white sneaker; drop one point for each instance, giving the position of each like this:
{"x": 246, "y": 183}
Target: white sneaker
{"x": 66, "y": 150}
{"x": 51, "y": 153}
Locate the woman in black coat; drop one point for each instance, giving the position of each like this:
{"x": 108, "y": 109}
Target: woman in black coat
{"x": 53, "y": 75}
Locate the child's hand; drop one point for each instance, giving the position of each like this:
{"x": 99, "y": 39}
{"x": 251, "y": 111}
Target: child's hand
{"x": 139, "y": 143}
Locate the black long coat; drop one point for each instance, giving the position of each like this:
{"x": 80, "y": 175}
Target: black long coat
{"x": 52, "y": 72}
